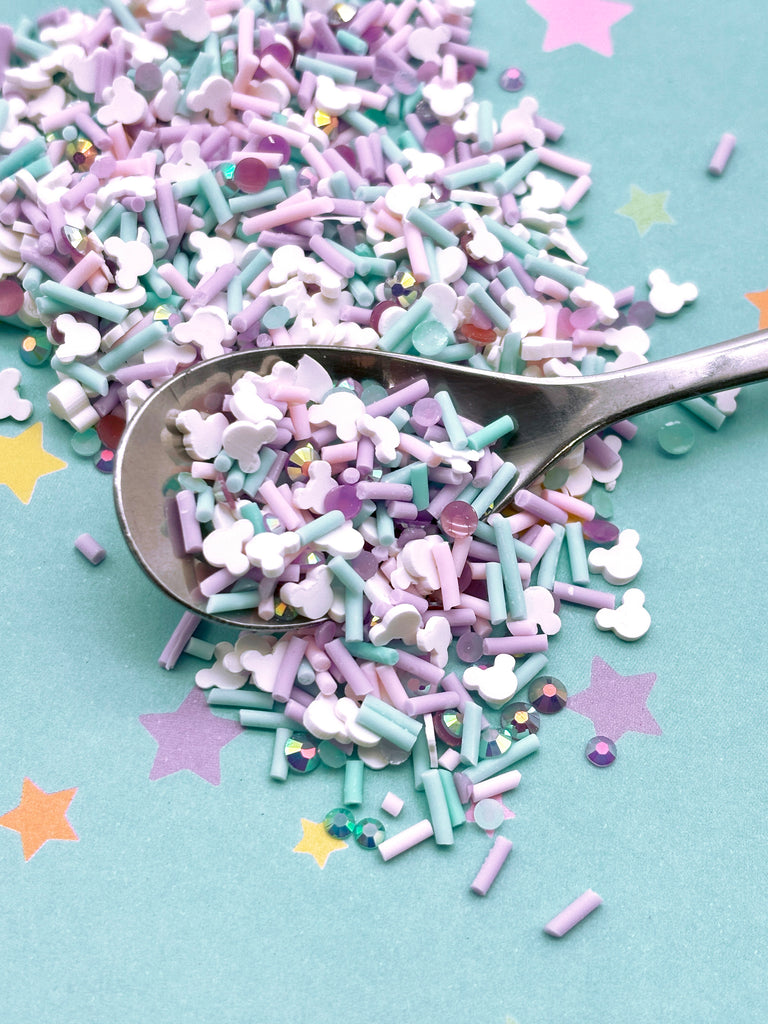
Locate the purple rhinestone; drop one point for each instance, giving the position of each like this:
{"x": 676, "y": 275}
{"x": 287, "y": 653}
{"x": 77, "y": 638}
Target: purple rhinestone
{"x": 548, "y": 695}
{"x": 601, "y": 751}
{"x": 512, "y": 80}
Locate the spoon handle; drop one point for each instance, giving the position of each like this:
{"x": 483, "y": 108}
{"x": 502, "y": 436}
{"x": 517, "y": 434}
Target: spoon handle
{"x": 637, "y": 389}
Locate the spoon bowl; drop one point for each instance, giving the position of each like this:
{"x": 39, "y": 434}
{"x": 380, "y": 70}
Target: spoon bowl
{"x": 552, "y": 415}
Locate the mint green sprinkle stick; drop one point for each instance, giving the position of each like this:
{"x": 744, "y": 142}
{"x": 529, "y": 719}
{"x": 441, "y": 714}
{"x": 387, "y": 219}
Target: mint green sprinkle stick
{"x": 88, "y": 376}
{"x": 470, "y": 732}
{"x": 354, "y": 782}
{"x": 120, "y": 354}
{"x": 220, "y": 604}
{"x": 550, "y": 558}
{"x": 495, "y": 587}
{"x": 370, "y": 652}
{"x": 75, "y": 299}
{"x": 456, "y": 433}
{"x": 455, "y": 809}
{"x": 485, "y": 499}
{"x": 493, "y": 765}
{"x": 344, "y": 76}
{"x": 490, "y": 434}
{"x": 393, "y": 715}
{"x": 256, "y": 700}
{"x": 278, "y": 768}
{"x": 513, "y": 584}
{"x": 419, "y": 760}
{"x": 255, "y": 719}
{"x": 437, "y": 804}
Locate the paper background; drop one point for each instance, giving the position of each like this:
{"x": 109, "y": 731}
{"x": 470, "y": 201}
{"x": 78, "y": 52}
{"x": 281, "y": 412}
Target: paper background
{"x": 184, "y": 901}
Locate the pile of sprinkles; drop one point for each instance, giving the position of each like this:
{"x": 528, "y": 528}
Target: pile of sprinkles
{"x": 180, "y": 179}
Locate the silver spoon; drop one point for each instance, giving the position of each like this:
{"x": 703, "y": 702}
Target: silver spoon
{"x": 553, "y": 415}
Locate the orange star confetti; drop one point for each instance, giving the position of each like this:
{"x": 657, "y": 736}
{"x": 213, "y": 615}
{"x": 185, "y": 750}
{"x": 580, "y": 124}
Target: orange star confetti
{"x": 23, "y": 460}
{"x": 317, "y": 842}
{"x": 40, "y": 816}
{"x": 760, "y": 299}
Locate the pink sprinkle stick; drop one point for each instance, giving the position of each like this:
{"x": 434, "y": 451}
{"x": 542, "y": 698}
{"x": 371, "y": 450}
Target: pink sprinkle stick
{"x": 573, "y": 913}
{"x": 722, "y": 154}
{"x": 492, "y": 864}
{"x": 406, "y": 839}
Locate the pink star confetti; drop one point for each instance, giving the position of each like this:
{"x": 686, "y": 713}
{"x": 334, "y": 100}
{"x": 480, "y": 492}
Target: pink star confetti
{"x": 616, "y": 704}
{"x": 587, "y": 22}
{"x": 190, "y": 737}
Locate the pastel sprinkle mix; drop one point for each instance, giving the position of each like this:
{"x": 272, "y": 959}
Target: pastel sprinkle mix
{"x": 177, "y": 185}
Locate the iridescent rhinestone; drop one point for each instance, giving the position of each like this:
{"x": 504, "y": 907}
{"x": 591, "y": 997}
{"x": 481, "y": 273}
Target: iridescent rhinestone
{"x": 326, "y": 122}
{"x": 35, "y": 351}
{"x": 339, "y": 823}
{"x": 227, "y": 172}
{"x": 81, "y": 153}
{"x": 512, "y": 80}
{"x": 76, "y": 238}
{"x": 341, "y": 14}
{"x": 520, "y": 719}
{"x": 284, "y": 612}
{"x": 105, "y": 463}
{"x": 448, "y": 726}
{"x": 301, "y": 753}
{"x": 675, "y": 437}
{"x": 369, "y": 832}
{"x": 403, "y": 288}
{"x": 601, "y": 751}
{"x": 299, "y": 461}
{"x": 548, "y": 695}
{"x": 494, "y": 742}
{"x": 163, "y": 313}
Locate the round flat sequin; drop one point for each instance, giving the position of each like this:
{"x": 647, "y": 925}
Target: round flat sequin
{"x": 641, "y": 314}
{"x": 301, "y": 752}
{"x": 35, "y": 351}
{"x": 675, "y": 437}
{"x": 250, "y": 175}
{"x": 274, "y": 144}
{"x": 512, "y": 80}
{"x": 439, "y": 139}
{"x": 339, "y": 823}
{"x": 110, "y": 429}
{"x": 600, "y": 751}
{"x": 88, "y": 443}
{"x": 555, "y": 478}
{"x": 520, "y": 719}
{"x": 489, "y": 814}
{"x": 430, "y": 337}
{"x": 548, "y": 695}
{"x": 345, "y": 499}
{"x": 600, "y": 531}
{"x": 369, "y": 832}
{"x": 148, "y": 78}
{"x": 469, "y": 647}
{"x": 331, "y": 755}
{"x": 458, "y": 520}
{"x": 11, "y": 297}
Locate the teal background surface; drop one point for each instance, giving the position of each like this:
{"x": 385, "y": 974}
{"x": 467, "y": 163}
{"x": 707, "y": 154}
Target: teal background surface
{"x": 184, "y": 901}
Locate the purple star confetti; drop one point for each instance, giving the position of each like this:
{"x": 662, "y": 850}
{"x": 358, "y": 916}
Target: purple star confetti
{"x": 616, "y": 704}
{"x": 190, "y": 737}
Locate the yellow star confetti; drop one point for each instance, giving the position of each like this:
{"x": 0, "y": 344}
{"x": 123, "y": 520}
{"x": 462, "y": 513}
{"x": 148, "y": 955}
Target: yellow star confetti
{"x": 317, "y": 842}
{"x": 646, "y": 208}
{"x": 23, "y": 460}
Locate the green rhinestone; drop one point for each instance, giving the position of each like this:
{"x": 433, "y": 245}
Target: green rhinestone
{"x": 369, "y": 832}
{"x": 339, "y": 823}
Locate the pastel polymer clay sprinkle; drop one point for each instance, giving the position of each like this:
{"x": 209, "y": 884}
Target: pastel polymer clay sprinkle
{"x": 722, "y": 154}
{"x": 322, "y": 173}
{"x": 90, "y": 549}
{"x": 572, "y": 914}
